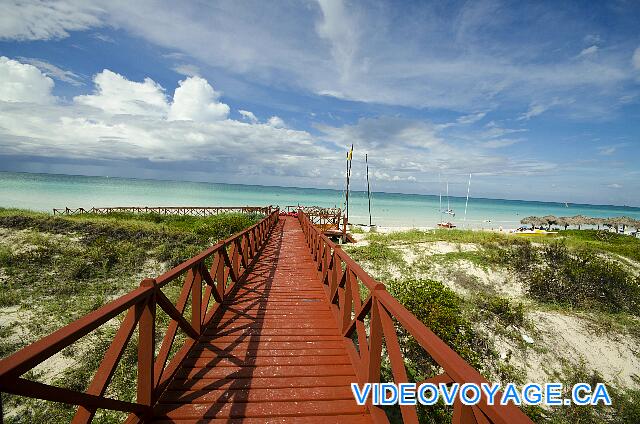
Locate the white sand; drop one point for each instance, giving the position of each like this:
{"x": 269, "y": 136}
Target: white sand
{"x": 555, "y": 335}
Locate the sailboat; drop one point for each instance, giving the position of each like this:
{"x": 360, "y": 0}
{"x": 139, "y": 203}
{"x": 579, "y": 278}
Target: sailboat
{"x": 449, "y": 211}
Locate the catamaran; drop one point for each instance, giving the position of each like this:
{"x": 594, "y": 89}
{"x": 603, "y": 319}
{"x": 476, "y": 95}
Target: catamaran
{"x": 449, "y": 211}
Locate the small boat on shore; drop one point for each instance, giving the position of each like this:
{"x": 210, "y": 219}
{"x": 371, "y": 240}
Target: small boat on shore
{"x": 446, "y": 225}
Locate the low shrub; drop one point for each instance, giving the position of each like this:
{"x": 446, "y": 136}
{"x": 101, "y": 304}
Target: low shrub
{"x": 507, "y": 311}
{"x": 584, "y": 280}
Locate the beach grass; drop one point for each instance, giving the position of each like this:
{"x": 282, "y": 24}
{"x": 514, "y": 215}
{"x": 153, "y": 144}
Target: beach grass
{"x": 55, "y": 269}
{"x": 587, "y": 274}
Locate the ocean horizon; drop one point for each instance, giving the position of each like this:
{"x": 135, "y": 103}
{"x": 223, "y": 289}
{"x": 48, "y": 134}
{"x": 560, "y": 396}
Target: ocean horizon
{"x": 43, "y": 192}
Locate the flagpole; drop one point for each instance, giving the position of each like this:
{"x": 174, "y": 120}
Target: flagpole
{"x": 349, "y": 160}
{"x": 366, "y": 160}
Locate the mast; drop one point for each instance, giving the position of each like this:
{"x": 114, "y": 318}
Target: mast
{"x": 366, "y": 160}
{"x": 349, "y": 160}
{"x": 448, "y": 207}
{"x": 440, "y": 194}
{"x": 467, "y": 201}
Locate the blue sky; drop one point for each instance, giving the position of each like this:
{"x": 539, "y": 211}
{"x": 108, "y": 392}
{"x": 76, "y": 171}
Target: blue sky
{"x": 539, "y": 101}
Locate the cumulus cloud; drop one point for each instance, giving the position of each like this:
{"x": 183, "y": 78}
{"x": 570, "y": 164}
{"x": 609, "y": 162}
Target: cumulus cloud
{"x": 357, "y": 52}
{"x": 402, "y": 148}
{"x": 249, "y": 116}
{"x": 127, "y": 120}
{"x": 117, "y": 95}
{"x": 45, "y": 20}
{"x": 196, "y": 100}
{"x": 276, "y": 122}
{"x": 21, "y": 82}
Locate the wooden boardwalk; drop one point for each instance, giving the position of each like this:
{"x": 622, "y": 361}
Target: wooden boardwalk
{"x": 282, "y": 322}
{"x": 273, "y": 353}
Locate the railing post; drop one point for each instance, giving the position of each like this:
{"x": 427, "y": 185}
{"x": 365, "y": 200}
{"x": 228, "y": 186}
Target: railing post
{"x": 146, "y": 347}
{"x": 196, "y": 299}
{"x": 344, "y": 230}
{"x": 375, "y": 338}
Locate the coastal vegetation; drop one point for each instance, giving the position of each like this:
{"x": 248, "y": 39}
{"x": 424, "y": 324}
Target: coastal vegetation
{"x": 55, "y": 269}
{"x": 556, "y": 308}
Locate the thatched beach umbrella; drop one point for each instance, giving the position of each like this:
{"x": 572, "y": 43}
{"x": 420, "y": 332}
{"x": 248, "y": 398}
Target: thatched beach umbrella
{"x": 550, "y": 220}
{"x": 627, "y": 221}
{"x": 534, "y": 221}
{"x": 579, "y": 220}
{"x": 596, "y": 221}
{"x": 564, "y": 221}
{"x": 612, "y": 222}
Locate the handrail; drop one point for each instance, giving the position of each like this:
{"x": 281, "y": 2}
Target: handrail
{"x": 343, "y": 291}
{"x": 230, "y": 260}
{"x": 165, "y": 210}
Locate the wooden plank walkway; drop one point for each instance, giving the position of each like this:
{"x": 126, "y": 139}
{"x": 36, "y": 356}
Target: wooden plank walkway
{"x": 273, "y": 353}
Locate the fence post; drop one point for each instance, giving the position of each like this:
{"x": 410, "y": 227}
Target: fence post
{"x": 344, "y": 230}
{"x": 196, "y": 298}
{"x": 146, "y": 346}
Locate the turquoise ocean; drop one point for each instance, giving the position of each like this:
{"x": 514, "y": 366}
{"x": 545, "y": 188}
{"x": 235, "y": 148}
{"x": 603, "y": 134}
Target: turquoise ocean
{"x": 43, "y": 192}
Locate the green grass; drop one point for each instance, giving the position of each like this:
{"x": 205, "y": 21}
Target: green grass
{"x": 581, "y": 279}
{"x": 588, "y": 272}
{"x": 601, "y": 241}
{"x": 454, "y": 236}
{"x": 54, "y": 269}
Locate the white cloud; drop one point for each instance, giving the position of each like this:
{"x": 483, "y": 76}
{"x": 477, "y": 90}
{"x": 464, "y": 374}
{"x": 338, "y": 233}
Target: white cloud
{"x": 537, "y": 109}
{"x": 472, "y": 118}
{"x": 45, "y": 19}
{"x": 494, "y": 130}
{"x": 399, "y": 148}
{"x": 607, "y": 151}
{"x": 108, "y": 125}
{"x": 610, "y": 149}
{"x": 614, "y": 185}
{"x": 21, "y": 82}
{"x": 115, "y": 124}
{"x": 338, "y": 28}
{"x": 53, "y": 71}
{"x": 534, "y": 110}
{"x": 196, "y": 100}
{"x": 187, "y": 70}
{"x": 589, "y": 50}
{"x": 496, "y": 144}
{"x": 357, "y": 52}
{"x": 103, "y": 37}
{"x": 117, "y": 95}
{"x": 635, "y": 60}
{"x": 592, "y": 38}
{"x": 249, "y": 116}
{"x": 276, "y": 122}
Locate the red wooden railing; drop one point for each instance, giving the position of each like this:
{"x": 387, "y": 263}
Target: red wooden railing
{"x": 166, "y": 210}
{"x": 229, "y": 260}
{"x": 376, "y": 319}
